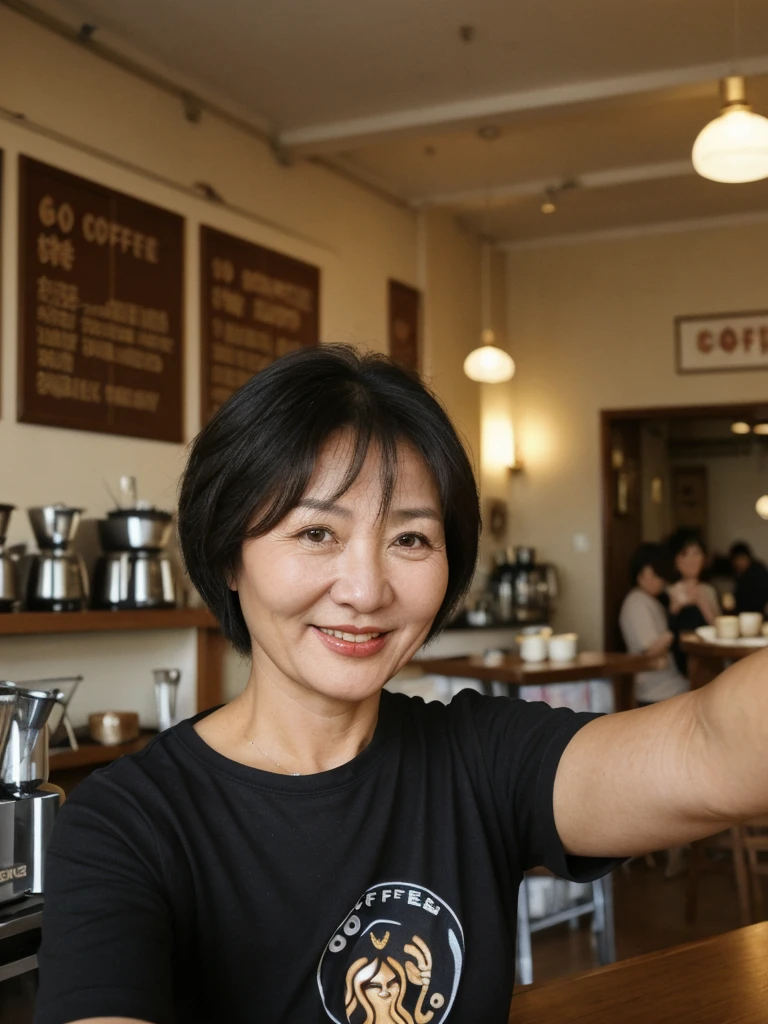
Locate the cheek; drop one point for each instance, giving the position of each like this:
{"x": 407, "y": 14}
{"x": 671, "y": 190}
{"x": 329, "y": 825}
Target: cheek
{"x": 422, "y": 586}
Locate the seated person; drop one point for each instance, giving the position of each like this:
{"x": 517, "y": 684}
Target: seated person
{"x": 644, "y": 626}
{"x": 692, "y": 603}
{"x": 751, "y": 579}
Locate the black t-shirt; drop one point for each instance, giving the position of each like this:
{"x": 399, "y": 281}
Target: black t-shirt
{"x": 185, "y": 887}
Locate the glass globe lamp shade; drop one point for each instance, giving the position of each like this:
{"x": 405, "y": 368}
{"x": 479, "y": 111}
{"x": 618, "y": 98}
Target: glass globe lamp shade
{"x": 489, "y": 364}
{"x": 733, "y": 148}
{"x": 761, "y": 506}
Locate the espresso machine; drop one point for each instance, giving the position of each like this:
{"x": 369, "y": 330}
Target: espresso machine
{"x": 9, "y": 591}
{"x": 135, "y": 570}
{"x": 27, "y": 809}
{"x": 57, "y": 580}
{"x": 526, "y": 590}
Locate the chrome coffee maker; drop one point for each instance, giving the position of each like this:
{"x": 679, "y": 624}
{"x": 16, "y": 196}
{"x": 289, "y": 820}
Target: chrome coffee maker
{"x": 135, "y": 570}
{"x": 27, "y": 809}
{"x": 8, "y": 571}
{"x": 57, "y": 580}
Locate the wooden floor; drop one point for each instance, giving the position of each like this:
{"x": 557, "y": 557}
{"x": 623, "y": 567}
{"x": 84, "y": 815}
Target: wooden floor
{"x": 649, "y": 911}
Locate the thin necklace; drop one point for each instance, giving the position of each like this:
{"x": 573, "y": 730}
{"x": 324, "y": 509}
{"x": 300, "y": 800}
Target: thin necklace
{"x": 274, "y": 762}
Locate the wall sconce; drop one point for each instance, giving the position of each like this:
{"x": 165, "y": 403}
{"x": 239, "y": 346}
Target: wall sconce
{"x": 499, "y": 451}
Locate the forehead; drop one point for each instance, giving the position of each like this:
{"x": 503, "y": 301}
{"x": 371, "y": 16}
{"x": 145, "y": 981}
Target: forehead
{"x": 408, "y": 475}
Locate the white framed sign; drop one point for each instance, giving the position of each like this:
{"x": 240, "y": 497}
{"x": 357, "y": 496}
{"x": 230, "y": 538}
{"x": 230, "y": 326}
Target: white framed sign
{"x": 718, "y": 342}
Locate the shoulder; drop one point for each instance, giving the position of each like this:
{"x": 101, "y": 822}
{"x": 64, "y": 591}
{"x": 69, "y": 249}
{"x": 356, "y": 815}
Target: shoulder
{"x": 636, "y": 599}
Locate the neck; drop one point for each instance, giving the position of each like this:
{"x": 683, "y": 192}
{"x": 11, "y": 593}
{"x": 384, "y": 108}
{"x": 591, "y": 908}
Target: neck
{"x": 291, "y": 730}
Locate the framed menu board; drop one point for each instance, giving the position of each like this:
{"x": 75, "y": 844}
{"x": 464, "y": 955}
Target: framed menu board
{"x": 257, "y": 304}
{"x": 404, "y": 324}
{"x": 100, "y": 308}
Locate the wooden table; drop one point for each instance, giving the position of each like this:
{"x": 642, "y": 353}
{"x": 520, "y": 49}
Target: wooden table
{"x": 707, "y": 660}
{"x": 619, "y": 668}
{"x": 722, "y": 980}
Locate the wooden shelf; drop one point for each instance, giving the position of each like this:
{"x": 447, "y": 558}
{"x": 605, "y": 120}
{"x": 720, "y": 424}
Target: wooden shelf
{"x": 30, "y": 623}
{"x": 93, "y": 754}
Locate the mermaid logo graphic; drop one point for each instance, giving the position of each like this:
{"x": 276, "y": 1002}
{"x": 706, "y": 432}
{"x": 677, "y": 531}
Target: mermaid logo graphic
{"x": 395, "y": 959}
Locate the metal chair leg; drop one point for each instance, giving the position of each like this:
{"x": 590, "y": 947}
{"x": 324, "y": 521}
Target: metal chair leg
{"x": 603, "y": 923}
{"x": 524, "y": 951}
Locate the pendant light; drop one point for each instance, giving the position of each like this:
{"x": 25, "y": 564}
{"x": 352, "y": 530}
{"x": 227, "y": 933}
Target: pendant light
{"x": 733, "y": 147}
{"x": 488, "y": 364}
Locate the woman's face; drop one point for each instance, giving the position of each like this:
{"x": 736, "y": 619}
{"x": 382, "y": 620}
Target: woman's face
{"x": 690, "y": 562}
{"x": 336, "y": 598}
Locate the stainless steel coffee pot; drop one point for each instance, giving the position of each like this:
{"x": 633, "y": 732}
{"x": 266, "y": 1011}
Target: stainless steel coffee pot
{"x": 57, "y": 580}
{"x": 9, "y": 581}
{"x": 24, "y": 764}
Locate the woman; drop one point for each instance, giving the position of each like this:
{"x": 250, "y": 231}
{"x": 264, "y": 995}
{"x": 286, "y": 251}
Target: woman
{"x": 691, "y": 602}
{"x": 644, "y": 627}
{"x": 265, "y": 860}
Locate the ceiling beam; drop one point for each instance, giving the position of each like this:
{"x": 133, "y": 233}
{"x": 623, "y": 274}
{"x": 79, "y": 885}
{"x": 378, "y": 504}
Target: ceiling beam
{"x": 355, "y": 132}
{"x": 501, "y": 195}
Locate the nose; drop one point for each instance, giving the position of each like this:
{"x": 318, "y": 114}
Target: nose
{"x": 362, "y": 580}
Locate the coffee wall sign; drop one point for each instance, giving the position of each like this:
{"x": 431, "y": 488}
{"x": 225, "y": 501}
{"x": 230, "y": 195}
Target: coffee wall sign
{"x": 100, "y": 308}
{"x": 256, "y": 305}
{"x": 722, "y": 341}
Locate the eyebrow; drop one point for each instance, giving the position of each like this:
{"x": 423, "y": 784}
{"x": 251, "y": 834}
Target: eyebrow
{"x": 400, "y": 515}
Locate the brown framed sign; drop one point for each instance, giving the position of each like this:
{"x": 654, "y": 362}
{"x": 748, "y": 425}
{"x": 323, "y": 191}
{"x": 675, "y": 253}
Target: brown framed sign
{"x": 256, "y": 305}
{"x": 100, "y": 308}
{"x": 404, "y": 324}
{"x": 720, "y": 342}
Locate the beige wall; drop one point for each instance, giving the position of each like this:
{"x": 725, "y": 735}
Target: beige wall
{"x": 78, "y": 108}
{"x": 591, "y": 328}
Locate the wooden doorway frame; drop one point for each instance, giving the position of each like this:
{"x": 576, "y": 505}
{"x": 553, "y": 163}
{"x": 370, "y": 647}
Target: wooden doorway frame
{"x": 734, "y": 410}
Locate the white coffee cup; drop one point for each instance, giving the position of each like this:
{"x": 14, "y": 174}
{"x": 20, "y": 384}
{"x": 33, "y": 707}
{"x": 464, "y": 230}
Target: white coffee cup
{"x": 750, "y": 623}
{"x": 533, "y": 647}
{"x": 563, "y": 647}
{"x": 727, "y": 627}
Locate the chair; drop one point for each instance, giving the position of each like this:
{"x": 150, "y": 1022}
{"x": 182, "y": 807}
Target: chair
{"x": 745, "y": 842}
{"x": 600, "y": 906}
{"x": 755, "y": 842}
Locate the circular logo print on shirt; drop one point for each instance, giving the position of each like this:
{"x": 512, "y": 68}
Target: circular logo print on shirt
{"x": 396, "y": 958}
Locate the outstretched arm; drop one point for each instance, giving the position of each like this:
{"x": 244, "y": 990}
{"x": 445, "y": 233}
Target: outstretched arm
{"x": 664, "y": 775}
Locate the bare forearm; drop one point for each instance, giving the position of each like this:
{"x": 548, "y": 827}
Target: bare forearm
{"x": 733, "y": 716}
{"x": 664, "y": 775}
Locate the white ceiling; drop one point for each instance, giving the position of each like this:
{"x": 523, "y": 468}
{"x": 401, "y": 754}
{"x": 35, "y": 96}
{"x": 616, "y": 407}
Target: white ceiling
{"x": 610, "y": 93}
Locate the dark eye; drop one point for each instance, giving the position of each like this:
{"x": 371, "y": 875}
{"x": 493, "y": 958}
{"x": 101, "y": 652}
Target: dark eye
{"x": 316, "y": 535}
{"x": 411, "y": 540}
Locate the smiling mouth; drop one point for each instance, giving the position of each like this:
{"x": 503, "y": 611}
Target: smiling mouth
{"x": 354, "y": 638}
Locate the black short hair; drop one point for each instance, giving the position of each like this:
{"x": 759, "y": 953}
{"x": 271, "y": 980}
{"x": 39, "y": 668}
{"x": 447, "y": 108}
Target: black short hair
{"x": 249, "y": 467}
{"x": 740, "y": 547}
{"x": 648, "y": 554}
{"x": 684, "y": 537}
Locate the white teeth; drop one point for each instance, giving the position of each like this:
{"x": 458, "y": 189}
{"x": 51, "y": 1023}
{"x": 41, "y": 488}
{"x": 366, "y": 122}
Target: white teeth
{"x": 355, "y": 638}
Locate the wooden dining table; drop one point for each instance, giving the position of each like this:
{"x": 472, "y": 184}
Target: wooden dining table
{"x": 707, "y": 660}
{"x": 514, "y": 672}
{"x": 720, "y": 980}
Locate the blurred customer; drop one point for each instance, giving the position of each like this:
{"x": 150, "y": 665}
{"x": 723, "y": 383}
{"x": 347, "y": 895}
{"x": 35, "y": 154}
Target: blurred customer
{"x": 691, "y": 602}
{"x": 751, "y": 579}
{"x": 644, "y": 626}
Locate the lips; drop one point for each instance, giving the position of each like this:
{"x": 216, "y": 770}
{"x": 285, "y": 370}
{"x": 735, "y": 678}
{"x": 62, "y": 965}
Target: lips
{"x": 351, "y": 641}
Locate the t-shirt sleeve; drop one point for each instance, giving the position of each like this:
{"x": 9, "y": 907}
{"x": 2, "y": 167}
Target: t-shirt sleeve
{"x": 107, "y": 936}
{"x": 522, "y": 743}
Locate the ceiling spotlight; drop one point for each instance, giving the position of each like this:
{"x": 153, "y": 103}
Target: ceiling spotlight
{"x": 761, "y": 428}
{"x": 549, "y": 205}
{"x": 733, "y": 147}
{"x": 741, "y": 427}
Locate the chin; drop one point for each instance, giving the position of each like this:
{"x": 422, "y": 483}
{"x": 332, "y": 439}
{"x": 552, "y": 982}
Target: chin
{"x": 353, "y": 691}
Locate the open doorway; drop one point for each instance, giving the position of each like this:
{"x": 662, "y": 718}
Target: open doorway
{"x": 699, "y": 467}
